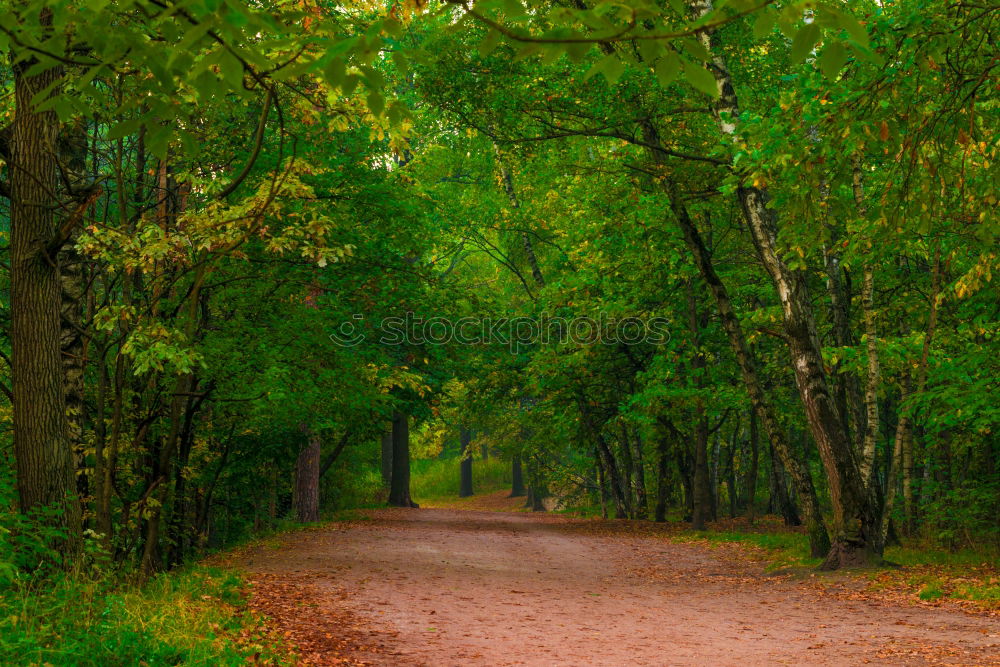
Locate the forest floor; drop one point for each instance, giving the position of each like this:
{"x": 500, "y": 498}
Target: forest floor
{"x": 447, "y": 586}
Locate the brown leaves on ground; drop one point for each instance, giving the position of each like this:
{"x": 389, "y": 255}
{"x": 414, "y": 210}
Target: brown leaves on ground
{"x": 922, "y": 586}
{"x": 309, "y": 617}
{"x": 499, "y": 501}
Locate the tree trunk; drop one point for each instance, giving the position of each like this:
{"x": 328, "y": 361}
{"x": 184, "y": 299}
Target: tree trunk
{"x": 779, "y": 492}
{"x": 465, "y": 485}
{"x": 871, "y": 344}
{"x": 715, "y": 474}
{"x": 641, "y": 497}
{"x": 856, "y": 525}
{"x": 627, "y": 468}
{"x": 307, "y": 479}
{"x": 701, "y": 493}
{"x": 731, "y": 472}
{"x": 73, "y": 174}
{"x": 602, "y": 486}
{"x": 399, "y": 487}
{"x": 819, "y": 540}
{"x": 751, "y": 484}
{"x": 72, "y": 348}
{"x": 44, "y": 460}
{"x": 517, "y": 478}
{"x": 386, "y": 457}
{"x": 701, "y": 510}
{"x": 662, "y": 468}
{"x": 618, "y": 491}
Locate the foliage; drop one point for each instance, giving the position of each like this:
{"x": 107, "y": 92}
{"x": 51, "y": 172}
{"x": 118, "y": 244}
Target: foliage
{"x": 189, "y": 617}
{"x": 795, "y": 202}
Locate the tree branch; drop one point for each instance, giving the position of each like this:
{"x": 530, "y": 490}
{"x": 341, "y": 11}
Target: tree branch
{"x": 258, "y": 142}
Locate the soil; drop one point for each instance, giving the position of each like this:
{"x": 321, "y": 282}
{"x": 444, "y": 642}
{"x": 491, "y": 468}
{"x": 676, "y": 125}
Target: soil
{"x": 465, "y": 587}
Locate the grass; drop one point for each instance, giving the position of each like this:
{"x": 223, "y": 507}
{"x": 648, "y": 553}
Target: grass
{"x": 933, "y": 574}
{"x": 926, "y": 572}
{"x": 781, "y": 549}
{"x": 437, "y": 479}
{"x": 193, "y": 616}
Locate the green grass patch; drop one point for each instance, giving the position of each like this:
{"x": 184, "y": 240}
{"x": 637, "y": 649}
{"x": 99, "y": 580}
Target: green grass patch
{"x": 926, "y": 555}
{"x": 931, "y": 591}
{"x": 782, "y": 549}
{"x": 434, "y": 479}
{"x": 193, "y": 616}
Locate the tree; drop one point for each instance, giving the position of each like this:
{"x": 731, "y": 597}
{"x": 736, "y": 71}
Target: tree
{"x": 465, "y": 487}
{"x": 399, "y": 487}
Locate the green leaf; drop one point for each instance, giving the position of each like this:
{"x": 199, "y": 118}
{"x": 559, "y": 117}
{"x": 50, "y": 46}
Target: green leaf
{"x": 667, "y": 68}
{"x": 527, "y": 51}
{"x": 350, "y": 83}
{"x": 764, "y": 24}
{"x": 832, "y": 59}
{"x": 650, "y": 49}
{"x": 489, "y": 43}
{"x": 854, "y": 28}
{"x": 514, "y": 9}
{"x": 696, "y": 49}
{"x": 805, "y": 39}
{"x": 335, "y": 72}
{"x": 124, "y": 128}
{"x": 550, "y": 54}
{"x": 701, "y": 79}
{"x": 395, "y": 113}
{"x": 576, "y": 51}
{"x": 157, "y": 140}
{"x": 373, "y": 78}
{"x": 610, "y": 66}
{"x": 392, "y": 27}
{"x": 402, "y": 62}
{"x": 839, "y": 19}
{"x": 376, "y": 103}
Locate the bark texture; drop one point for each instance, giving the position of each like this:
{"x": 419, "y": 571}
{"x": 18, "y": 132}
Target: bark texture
{"x": 44, "y": 460}
{"x": 307, "y": 480}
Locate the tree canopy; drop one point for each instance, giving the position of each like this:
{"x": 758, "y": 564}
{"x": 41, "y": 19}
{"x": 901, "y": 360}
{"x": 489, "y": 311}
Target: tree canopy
{"x": 677, "y": 259}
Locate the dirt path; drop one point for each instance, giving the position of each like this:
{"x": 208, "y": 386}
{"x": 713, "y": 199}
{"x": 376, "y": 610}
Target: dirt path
{"x": 449, "y": 587}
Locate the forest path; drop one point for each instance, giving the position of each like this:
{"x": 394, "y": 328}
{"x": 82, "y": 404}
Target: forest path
{"x": 458, "y": 587}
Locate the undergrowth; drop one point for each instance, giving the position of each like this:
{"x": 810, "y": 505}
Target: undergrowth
{"x": 926, "y": 572}
{"x": 193, "y": 616}
{"x": 432, "y": 479}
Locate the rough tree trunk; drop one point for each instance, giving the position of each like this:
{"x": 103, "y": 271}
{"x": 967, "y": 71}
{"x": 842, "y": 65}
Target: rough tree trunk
{"x": 856, "y": 521}
{"x": 819, "y": 540}
{"x": 307, "y": 480}
{"x": 399, "y": 486}
{"x": 44, "y": 460}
